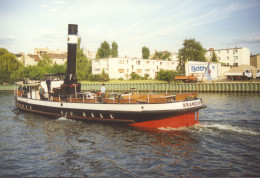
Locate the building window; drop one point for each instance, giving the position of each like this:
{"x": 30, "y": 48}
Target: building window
{"x": 235, "y": 64}
{"x": 227, "y": 51}
{"x": 235, "y": 57}
{"x": 138, "y": 62}
{"x": 121, "y": 71}
{"x": 139, "y": 71}
{"x": 227, "y": 58}
{"x": 97, "y": 61}
{"x": 160, "y": 63}
{"x": 120, "y": 61}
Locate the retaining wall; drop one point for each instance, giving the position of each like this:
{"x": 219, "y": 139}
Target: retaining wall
{"x": 189, "y": 87}
{"x": 204, "y": 87}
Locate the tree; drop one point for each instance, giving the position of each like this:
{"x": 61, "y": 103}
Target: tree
{"x": 192, "y": 51}
{"x": 83, "y": 66}
{"x": 214, "y": 57}
{"x": 103, "y": 51}
{"x": 165, "y": 55}
{"x": 135, "y": 76}
{"x": 166, "y": 75}
{"x": 8, "y": 65}
{"x": 103, "y": 77}
{"x": 114, "y": 49}
{"x": 145, "y": 52}
{"x": 46, "y": 61}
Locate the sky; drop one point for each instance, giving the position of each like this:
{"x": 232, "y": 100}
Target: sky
{"x": 159, "y": 25}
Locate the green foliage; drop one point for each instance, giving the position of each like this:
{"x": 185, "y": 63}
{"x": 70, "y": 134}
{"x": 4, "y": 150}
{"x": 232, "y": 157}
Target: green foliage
{"x": 30, "y": 72}
{"x": 165, "y": 55}
{"x": 145, "y": 52}
{"x": 103, "y": 77}
{"x": 57, "y": 69}
{"x": 146, "y": 77}
{"x": 114, "y": 49}
{"x": 46, "y": 61}
{"x": 166, "y": 75}
{"x": 214, "y": 57}
{"x": 192, "y": 51}
{"x": 83, "y": 66}
{"x": 103, "y": 51}
{"x": 121, "y": 78}
{"x": 8, "y": 65}
{"x": 135, "y": 76}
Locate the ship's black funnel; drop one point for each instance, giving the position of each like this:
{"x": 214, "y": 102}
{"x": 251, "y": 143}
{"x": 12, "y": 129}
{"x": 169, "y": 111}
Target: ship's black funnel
{"x": 70, "y": 85}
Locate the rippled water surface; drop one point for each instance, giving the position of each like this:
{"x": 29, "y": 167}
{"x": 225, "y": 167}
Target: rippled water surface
{"x": 225, "y": 143}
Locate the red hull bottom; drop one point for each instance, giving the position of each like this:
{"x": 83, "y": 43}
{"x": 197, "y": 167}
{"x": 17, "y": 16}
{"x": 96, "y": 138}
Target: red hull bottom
{"x": 184, "y": 120}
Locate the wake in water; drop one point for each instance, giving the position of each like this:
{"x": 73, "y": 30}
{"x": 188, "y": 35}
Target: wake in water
{"x": 63, "y": 119}
{"x": 213, "y": 127}
{"x": 227, "y": 127}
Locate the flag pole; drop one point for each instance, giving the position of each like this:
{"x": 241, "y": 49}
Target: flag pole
{"x": 203, "y": 77}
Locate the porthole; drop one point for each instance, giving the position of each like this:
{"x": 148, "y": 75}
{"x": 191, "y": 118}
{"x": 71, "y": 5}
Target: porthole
{"x": 92, "y": 114}
{"x": 84, "y": 114}
{"x": 112, "y": 116}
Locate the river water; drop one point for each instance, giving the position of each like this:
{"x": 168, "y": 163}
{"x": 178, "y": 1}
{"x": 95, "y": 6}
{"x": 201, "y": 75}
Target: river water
{"x": 225, "y": 143}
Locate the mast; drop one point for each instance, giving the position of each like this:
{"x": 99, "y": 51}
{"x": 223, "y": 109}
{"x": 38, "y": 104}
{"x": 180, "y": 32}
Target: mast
{"x": 70, "y": 82}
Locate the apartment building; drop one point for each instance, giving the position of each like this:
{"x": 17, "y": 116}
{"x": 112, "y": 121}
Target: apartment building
{"x": 231, "y": 56}
{"x": 123, "y": 67}
{"x": 255, "y": 61}
{"x": 41, "y": 51}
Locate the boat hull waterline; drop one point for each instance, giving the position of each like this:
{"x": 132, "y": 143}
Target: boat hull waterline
{"x": 173, "y": 115}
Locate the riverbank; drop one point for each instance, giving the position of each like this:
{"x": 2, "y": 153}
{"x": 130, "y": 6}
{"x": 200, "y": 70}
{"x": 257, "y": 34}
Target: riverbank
{"x": 242, "y": 86}
{"x": 179, "y": 87}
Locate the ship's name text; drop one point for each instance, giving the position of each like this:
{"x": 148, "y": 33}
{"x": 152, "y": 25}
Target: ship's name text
{"x": 195, "y": 103}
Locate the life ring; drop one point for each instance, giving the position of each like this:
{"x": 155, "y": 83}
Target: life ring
{"x": 71, "y": 113}
{"x": 92, "y": 114}
{"x": 101, "y": 115}
{"x": 62, "y": 112}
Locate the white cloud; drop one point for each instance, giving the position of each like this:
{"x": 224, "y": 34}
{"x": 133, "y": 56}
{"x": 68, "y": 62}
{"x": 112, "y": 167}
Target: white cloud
{"x": 252, "y": 39}
{"x": 54, "y": 10}
{"x": 59, "y": 2}
{"x": 7, "y": 40}
{"x": 44, "y": 5}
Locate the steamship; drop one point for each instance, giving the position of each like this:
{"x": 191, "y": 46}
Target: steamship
{"x": 63, "y": 97}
